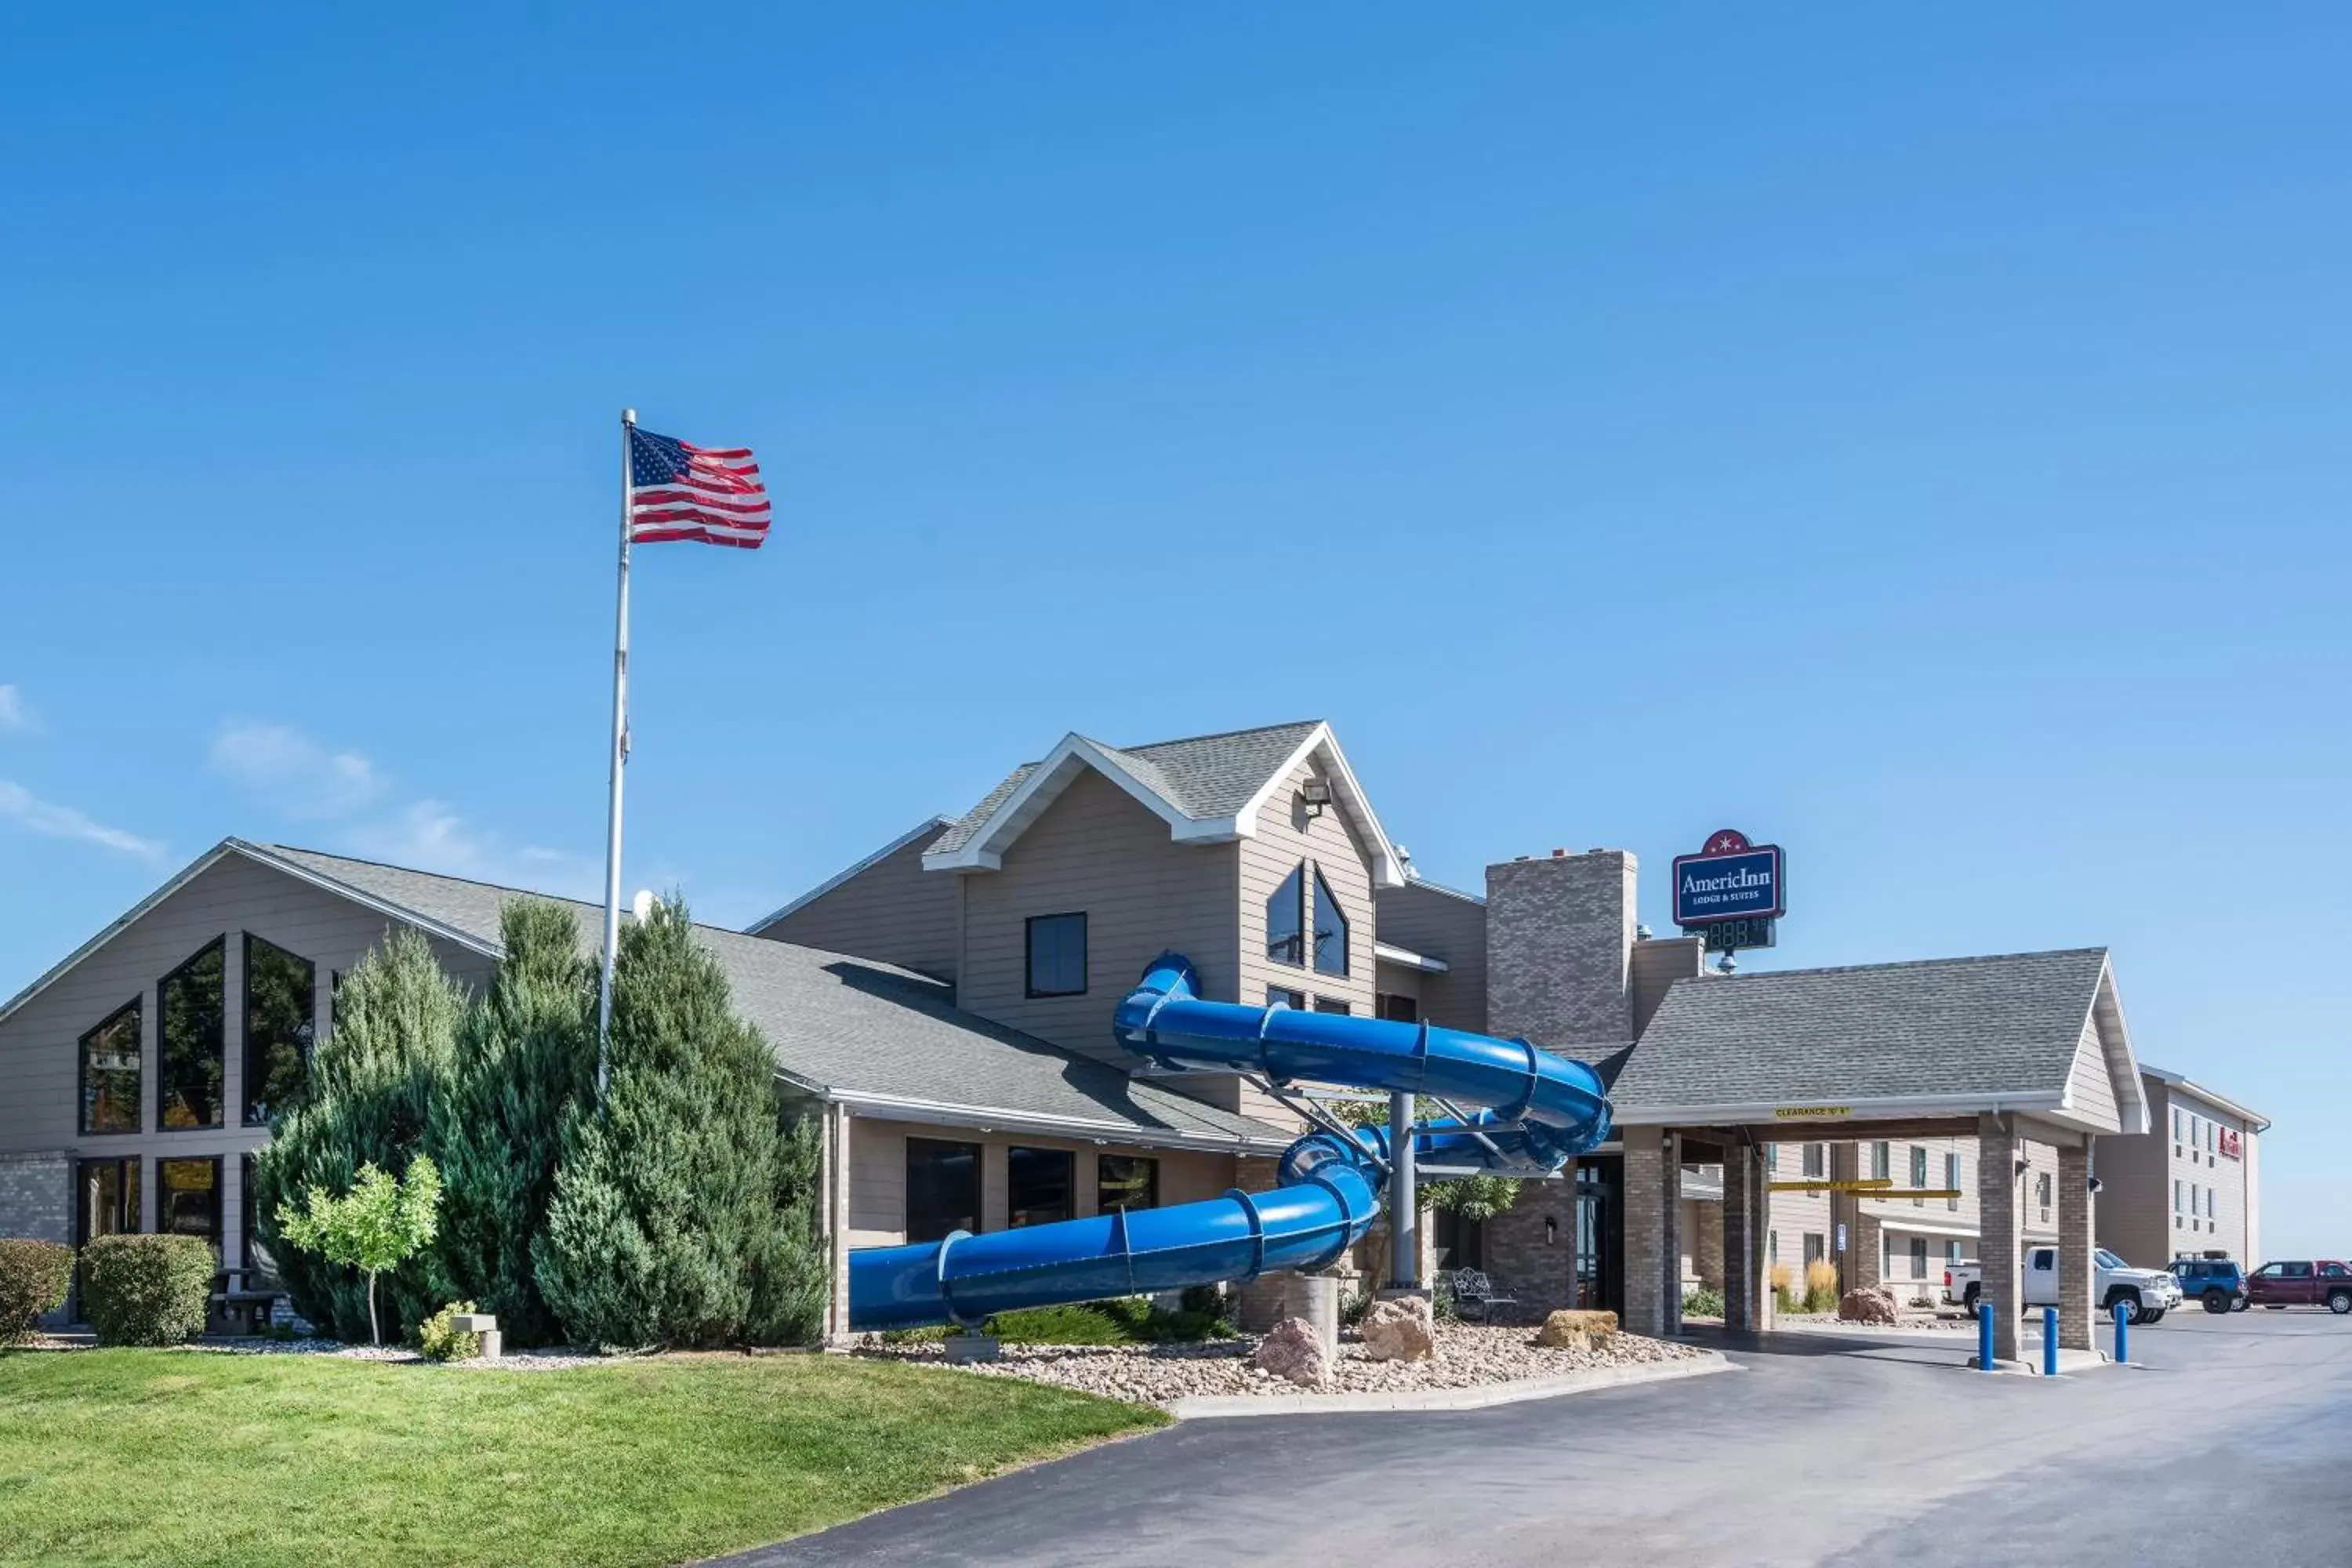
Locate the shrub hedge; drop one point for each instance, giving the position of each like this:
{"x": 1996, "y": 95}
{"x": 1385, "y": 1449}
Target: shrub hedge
{"x": 439, "y": 1338}
{"x": 34, "y": 1276}
{"x": 147, "y": 1289}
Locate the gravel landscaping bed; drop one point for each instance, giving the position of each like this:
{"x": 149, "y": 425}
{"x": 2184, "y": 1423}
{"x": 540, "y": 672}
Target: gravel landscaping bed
{"x": 1468, "y": 1356}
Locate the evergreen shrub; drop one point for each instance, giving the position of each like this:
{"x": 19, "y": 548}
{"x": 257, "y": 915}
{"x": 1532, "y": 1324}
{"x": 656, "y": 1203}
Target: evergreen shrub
{"x": 147, "y": 1289}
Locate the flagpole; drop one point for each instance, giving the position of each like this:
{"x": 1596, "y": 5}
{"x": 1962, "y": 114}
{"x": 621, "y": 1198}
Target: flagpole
{"x": 620, "y": 762}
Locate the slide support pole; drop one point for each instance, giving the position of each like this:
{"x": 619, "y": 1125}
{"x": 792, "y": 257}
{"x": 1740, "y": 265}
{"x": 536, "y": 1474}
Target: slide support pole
{"x": 1404, "y": 1198}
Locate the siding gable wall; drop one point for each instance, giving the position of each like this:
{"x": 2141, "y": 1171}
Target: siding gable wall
{"x": 1286, "y": 835}
{"x": 39, "y": 1043}
{"x": 893, "y": 911}
{"x": 1096, "y": 850}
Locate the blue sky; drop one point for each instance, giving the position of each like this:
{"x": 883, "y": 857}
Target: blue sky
{"x": 1918, "y": 440}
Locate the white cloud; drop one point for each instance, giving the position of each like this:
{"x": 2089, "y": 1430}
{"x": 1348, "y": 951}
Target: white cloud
{"x": 294, "y": 772}
{"x": 14, "y": 713}
{"x": 429, "y": 836}
{"x": 29, "y": 811}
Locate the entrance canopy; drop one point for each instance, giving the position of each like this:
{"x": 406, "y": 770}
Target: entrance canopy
{"x": 1918, "y": 1047}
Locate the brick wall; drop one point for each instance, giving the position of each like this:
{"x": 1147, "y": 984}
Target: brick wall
{"x": 1559, "y": 941}
{"x": 36, "y": 1202}
{"x": 1519, "y": 1258}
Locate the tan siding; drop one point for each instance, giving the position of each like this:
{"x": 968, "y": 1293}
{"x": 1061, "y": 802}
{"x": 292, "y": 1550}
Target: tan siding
{"x": 893, "y": 911}
{"x": 1286, "y": 835}
{"x": 39, "y": 1071}
{"x": 2090, "y": 1085}
{"x": 1442, "y": 925}
{"x": 1657, "y": 965}
{"x": 2133, "y": 1215}
{"x": 1099, "y": 850}
{"x": 2196, "y": 1161}
{"x": 878, "y": 1190}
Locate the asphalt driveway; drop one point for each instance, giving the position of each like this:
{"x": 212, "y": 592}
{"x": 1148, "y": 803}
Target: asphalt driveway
{"x": 2233, "y": 1438}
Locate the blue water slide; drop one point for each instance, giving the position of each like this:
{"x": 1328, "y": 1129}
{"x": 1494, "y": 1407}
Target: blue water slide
{"x": 1536, "y": 1110}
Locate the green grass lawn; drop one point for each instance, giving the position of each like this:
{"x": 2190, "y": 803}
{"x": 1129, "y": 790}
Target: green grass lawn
{"x": 181, "y": 1458}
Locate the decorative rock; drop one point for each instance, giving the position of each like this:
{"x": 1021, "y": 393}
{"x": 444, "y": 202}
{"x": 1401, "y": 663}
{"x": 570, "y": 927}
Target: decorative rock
{"x": 1294, "y": 1351}
{"x": 1867, "y": 1304}
{"x": 1573, "y": 1330}
{"x": 1400, "y": 1329}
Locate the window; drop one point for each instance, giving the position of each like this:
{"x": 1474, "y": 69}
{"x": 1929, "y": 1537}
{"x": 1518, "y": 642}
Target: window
{"x": 1041, "y": 1184}
{"x": 280, "y": 1013}
{"x": 1126, "y": 1181}
{"x": 1330, "y": 929}
{"x": 108, "y": 1193}
{"x": 1919, "y": 1176}
{"x": 942, "y": 1188}
{"x": 2296, "y": 1270}
{"x": 1057, "y": 955}
{"x": 2210, "y": 1212}
{"x": 2192, "y": 1132}
{"x": 1918, "y": 1257}
{"x": 1881, "y": 1162}
{"x": 1952, "y": 1252}
{"x": 188, "y": 1198}
{"x": 1771, "y": 1156}
{"x": 190, "y": 1006}
{"x": 1952, "y": 1182}
{"x": 110, "y": 1073}
{"x": 1276, "y": 996}
{"x": 2042, "y": 1193}
{"x": 1331, "y": 1005}
{"x": 2176, "y": 1195}
{"x": 1396, "y": 1009}
{"x": 2175, "y": 1129}
{"x": 2212, "y": 1136}
{"x": 1771, "y": 1246}
{"x": 260, "y": 1267}
{"x": 109, "y": 1199}
{"x": 1816, "y": 1161}
{"x": 1814, "y": 1248}
{"x": 2271, "y": 1271}
{"x": 1286, "y": 928}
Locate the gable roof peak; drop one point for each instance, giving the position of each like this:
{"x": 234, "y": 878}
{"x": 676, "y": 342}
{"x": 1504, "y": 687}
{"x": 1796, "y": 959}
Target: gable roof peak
{"x": 1209, "y": 789}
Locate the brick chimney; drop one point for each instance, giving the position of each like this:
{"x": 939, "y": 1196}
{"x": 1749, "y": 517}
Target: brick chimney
{"x": 1560, "y": 945}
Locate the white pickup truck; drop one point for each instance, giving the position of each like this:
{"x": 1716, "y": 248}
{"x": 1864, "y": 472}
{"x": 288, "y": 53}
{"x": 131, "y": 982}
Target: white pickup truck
{"x": 2146, "y": 1294}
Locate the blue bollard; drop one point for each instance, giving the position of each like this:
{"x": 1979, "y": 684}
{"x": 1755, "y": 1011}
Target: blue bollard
{"x": 2123, "y": 1332}
{"x": 1984, "y": 1335}
{"x": 2049, "y": 1342}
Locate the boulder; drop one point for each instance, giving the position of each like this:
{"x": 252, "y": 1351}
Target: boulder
{"x": 1573, "y": 1330}
{"x": 1400, "y": 1329}
{"x": 1867, "y": 1304}
{"x": 1293, "y": 1350}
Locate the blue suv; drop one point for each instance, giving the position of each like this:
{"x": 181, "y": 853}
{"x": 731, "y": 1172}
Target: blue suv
{"x": 2218, "y": 1282}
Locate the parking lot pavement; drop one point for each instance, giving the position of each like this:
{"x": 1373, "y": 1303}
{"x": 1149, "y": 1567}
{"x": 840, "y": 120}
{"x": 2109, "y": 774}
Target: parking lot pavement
{"x": 2234, "y": 1431}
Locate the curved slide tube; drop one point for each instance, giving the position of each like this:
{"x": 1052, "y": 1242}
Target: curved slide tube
{"x": 1538, "y": 1110}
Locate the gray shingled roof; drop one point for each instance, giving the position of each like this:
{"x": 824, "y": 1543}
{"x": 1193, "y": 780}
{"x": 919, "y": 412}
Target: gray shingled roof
{"x": 1203, "y": 776}
{"x": 2007, "y": 1025}
{"x": 849, "y": 1026}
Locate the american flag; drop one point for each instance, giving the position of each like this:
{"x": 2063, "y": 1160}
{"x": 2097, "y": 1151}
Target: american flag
{"x": 712, "y": 494}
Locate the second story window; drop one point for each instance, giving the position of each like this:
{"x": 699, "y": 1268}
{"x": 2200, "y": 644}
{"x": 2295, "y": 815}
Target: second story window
{"x": 1952, "y": 1181}
{"x": 1880, "y": 1167}
{"x": 1285, "y": 927}
{"x": 1816, "y": 1160}
{"x": 110, "y": 1073}
{"x": 1057, "y": 955}
{"x": 189, "y": 1005}
{"x": 1330, "y": 929}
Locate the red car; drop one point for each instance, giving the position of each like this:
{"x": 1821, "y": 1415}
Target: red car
{"x": 2278, "y": 1286}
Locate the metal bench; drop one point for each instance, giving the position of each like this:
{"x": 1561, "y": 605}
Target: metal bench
{"x": 1475, "y": 1295}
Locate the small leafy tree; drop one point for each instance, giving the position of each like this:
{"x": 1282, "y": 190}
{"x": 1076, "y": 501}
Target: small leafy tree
{"x": 373, "y": 1078}
{"x": 380, "y": 1224}
{"x": 523, "y": 1056}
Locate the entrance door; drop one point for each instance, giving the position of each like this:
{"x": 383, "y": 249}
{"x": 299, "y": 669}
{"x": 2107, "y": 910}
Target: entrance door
{"x": 106, "y": 1204}
{"x": 1599, "y": 1231}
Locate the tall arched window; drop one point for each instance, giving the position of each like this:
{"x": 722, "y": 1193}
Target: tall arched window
{"x": 1285, "y": 924}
